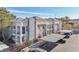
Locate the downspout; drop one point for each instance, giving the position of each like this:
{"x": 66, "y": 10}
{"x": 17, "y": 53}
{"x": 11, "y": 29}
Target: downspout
{"x": 35, "y": 28}
{"x": 28, "y": 28}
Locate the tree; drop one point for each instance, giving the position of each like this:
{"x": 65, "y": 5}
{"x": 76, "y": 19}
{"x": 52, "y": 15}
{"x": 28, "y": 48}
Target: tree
{"x": 66, "y": 18}
{"x": 5, "y": 17}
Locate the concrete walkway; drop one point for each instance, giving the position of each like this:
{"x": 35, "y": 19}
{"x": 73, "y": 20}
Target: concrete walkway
{"x": 71, "y": 45}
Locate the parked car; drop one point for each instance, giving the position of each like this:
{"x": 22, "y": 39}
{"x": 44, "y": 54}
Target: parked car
{"x": 67, "y": 35}
{"x": 66, "y": 32}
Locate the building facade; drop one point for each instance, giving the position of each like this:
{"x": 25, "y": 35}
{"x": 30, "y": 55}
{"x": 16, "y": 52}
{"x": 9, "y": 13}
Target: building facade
{"x": 33, "y": 28}
{"x": 20, "y": 30}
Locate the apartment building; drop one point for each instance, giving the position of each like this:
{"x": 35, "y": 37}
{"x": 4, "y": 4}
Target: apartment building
{"x": 33, "y": 27}
{"x": 20, "y": 30}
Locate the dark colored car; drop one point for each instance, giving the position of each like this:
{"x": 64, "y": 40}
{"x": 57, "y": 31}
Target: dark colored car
{"x": 67, "y": 35}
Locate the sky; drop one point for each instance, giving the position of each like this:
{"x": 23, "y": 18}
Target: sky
{"x": 51, "y": 12}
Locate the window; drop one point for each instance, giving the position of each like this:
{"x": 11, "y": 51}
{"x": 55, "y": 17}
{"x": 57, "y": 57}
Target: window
{"x": 13, "y": 37}
{"x": 18, "y": 40}
{"x": 23, "y": 38}
{"x": 27, "y": 28}
{"x": 57, "y": 26}
{"x": 18, "y": 29}
{"x": 23, "y": 30}
{"x": 49, "y": 26}
{"x": 14, "y": 29}
{"x": 39, "y": 26}
{"x": 18, "y": 37}
{"x": 52, "y": 28}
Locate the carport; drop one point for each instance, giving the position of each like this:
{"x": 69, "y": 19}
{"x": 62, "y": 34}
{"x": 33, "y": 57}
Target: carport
{"x": 53, "y": 37}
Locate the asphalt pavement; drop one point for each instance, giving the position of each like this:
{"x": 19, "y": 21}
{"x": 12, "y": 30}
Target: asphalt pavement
{"x": 71, "y": 45}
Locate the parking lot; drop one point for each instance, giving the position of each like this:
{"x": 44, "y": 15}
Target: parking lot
{"x": 71, "y": 45}
{"x": 49, "y": 44}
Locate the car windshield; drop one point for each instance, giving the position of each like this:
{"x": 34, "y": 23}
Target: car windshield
{"x": 66, "y": 34}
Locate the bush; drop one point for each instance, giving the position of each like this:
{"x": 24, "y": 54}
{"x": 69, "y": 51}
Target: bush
{"x": 35, "y": 40}
{"x": 39, "y": 36}
{"x": 18, "y": 48}
{"x": 21, "y": 46}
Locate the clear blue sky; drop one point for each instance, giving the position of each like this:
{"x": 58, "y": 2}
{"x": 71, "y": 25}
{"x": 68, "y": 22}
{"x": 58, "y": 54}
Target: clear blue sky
{"x": 72, "y": 12}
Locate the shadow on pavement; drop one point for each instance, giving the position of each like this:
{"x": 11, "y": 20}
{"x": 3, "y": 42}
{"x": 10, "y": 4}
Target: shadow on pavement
{"x": 48, "y": 46}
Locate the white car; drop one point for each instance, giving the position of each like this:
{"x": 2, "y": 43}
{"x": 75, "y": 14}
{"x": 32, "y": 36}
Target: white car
{"x": 66, "y": 31}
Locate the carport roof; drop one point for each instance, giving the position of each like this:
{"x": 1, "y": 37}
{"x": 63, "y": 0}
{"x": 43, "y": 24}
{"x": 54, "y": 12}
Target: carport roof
{"x": 53, "y": 37}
